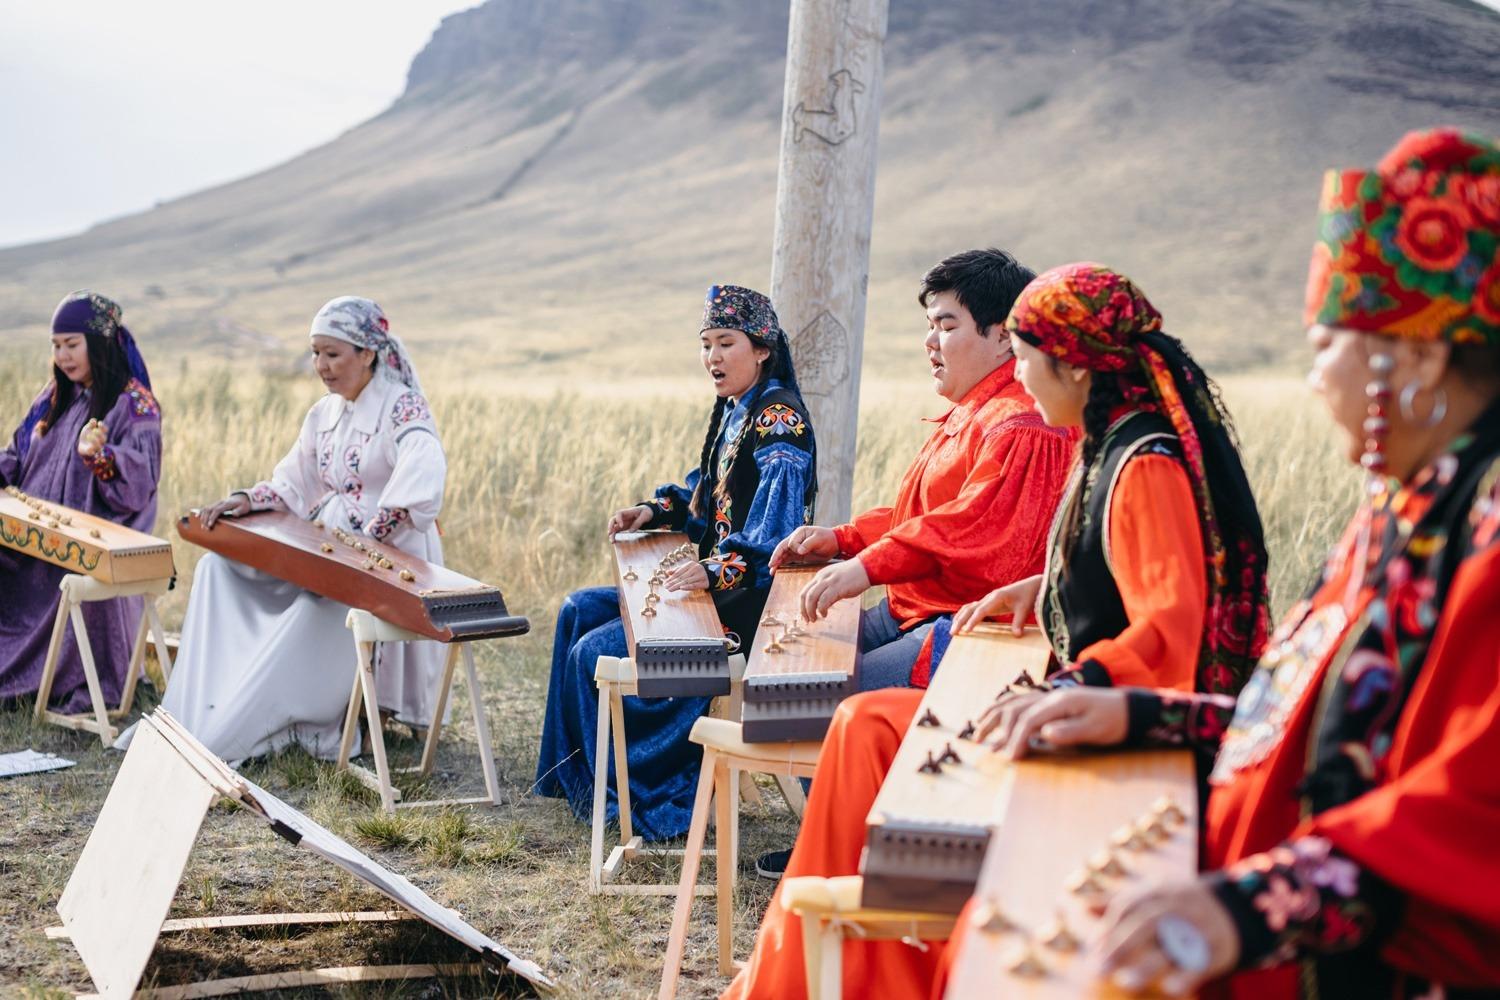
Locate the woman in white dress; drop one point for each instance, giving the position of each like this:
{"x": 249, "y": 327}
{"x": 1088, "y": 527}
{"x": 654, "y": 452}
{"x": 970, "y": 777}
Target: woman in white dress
{"x": 263, "y": 663}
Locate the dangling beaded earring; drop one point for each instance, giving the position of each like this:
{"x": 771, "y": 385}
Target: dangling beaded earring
{"x": 1376, "y": 426}
{"x": 1377, "y": 420}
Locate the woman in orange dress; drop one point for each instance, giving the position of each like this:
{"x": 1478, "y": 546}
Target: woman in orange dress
{"x": 1355, "y": 803}
{"x": 1126, "y": 597}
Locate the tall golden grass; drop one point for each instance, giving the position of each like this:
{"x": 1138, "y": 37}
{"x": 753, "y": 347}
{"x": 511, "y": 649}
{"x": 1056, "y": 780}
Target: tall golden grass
{"x": 531, "y": 477}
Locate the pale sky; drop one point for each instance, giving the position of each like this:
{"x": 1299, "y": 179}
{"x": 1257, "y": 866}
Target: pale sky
{"x": 108, "y": 106}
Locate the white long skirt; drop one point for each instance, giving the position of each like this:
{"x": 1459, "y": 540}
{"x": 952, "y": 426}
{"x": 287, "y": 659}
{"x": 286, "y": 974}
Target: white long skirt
{"x": 264, "y": 664}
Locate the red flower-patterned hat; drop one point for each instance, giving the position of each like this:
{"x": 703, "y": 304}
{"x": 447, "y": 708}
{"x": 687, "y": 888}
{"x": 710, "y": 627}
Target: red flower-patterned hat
{"x": 1409, "y": 249}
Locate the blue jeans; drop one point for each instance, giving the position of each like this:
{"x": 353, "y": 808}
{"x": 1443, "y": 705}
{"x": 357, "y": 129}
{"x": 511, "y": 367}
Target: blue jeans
{"x": 888, "y": 653}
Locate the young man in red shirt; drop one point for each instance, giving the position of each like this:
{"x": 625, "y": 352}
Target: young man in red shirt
{"x": 974, "y": 508}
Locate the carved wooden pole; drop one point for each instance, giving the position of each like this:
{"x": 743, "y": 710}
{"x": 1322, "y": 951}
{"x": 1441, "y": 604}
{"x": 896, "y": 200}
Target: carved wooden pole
{"x": 825, "y": 200}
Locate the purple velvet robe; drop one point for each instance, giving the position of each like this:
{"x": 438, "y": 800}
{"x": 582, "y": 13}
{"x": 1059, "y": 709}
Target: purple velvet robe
{"x": 122, "y": 487}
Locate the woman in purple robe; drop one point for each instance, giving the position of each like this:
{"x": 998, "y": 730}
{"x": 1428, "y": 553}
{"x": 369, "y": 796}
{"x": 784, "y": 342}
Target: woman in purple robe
{"x": 91, "y": 441}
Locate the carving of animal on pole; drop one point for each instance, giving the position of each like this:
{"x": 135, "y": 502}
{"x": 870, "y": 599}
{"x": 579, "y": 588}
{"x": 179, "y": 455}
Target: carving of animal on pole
{"x": 836, "y": 122}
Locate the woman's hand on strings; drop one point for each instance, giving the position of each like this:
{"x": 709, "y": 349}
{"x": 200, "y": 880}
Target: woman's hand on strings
{"x": 628, "y": 519}
{"x": 691, "y": 575}
{"x": 1018, "y": 600}
{"x": 808, "y": 544}
{"x": 234, "y": 505}
{"x": 1066, "y": 717}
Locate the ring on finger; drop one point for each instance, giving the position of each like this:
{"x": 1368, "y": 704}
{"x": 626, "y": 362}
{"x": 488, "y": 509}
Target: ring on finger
{"x": 1183, "y": 943}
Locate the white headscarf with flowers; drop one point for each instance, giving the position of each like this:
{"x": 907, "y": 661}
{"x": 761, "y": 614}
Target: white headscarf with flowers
{"x": 361, "y": 322}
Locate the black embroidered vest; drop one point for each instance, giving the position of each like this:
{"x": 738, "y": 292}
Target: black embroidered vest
{"x": 1080, "y": 603}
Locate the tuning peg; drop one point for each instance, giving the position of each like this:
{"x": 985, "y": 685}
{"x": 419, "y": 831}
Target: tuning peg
{"x": 1168, "y": 810}
{"x": 928, "y": 719}
{"x": 1026, "y": 963}
{"x": 991, "y": 921}
{"x": 1057, "y": 936}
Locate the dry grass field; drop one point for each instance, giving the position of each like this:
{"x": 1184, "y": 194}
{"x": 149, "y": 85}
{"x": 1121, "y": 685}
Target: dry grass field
{"x": 532, "y": 475}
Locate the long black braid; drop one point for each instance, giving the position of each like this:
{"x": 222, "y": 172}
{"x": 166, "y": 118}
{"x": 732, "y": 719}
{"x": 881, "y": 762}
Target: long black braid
{"x": 698, "y": 505}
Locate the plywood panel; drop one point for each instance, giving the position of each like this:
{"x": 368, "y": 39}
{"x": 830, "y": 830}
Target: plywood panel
{"x": 121, "y": 889}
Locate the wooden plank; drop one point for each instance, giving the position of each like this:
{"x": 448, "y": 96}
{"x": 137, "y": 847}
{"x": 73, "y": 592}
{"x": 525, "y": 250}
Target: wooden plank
{"x": 295, "y": 979}
{"x": 81, "y": 543}
{"x": 688, "y": 614}
{"x": 1062, "y": 814}
{"x": 798, "y": 672}
{"x": 113, "y": 911}
{"x": 927, "y": 832}
{"x": 264, "y": 920}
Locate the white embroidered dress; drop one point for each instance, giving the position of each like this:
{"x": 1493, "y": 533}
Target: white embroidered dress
{"x": 264, "y": 663}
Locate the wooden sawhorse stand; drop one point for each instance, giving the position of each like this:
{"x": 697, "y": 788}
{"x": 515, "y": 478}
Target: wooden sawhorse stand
{"x": 615, "y": 678}
{"x": 78, "y": 590}
{"x": 369, "y": 630}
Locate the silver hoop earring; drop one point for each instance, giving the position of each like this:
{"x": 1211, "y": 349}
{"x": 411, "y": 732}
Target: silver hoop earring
{"x": 1439, "y": 404}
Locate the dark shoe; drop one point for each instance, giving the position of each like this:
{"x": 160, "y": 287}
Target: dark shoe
{"x": 772, "y": 865}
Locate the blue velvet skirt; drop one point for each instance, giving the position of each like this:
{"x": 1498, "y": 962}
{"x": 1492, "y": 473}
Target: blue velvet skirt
{"x": 663, "y": 761}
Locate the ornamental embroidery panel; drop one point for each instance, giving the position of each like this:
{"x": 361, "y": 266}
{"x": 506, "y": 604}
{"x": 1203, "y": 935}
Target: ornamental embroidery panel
{"x": 780, "y": 420}
{"x": 142, "y": 402}
{"x": 1308, "y": 897}
{"x": 725, "y": 569}
{"x": 385, "y": 521}
{"x": 102, "y": 464}
{"x": 410, "y": 406}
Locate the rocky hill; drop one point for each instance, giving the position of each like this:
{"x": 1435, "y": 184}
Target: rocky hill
{"x": 560, "y": 180}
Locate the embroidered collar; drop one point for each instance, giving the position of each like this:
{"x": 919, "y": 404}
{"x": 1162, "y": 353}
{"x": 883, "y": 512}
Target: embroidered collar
{"x": 364, "y": 411}
{"x": 986, "y": 389}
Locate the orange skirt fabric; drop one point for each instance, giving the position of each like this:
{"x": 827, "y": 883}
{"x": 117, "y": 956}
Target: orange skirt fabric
{"x": 857, "y": 752}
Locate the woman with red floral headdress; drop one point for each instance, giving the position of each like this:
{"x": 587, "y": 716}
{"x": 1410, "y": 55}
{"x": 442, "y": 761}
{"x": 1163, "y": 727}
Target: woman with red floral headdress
{"x": 1355, "y": 803}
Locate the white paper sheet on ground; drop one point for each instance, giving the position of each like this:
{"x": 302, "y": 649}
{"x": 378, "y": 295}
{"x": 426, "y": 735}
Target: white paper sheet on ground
{"x": 304, "y": 832}
{"x": 30, "y": 762}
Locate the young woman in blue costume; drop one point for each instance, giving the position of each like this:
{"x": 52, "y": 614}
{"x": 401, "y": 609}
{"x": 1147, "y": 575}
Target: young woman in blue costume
{"x": 754, "y": 484}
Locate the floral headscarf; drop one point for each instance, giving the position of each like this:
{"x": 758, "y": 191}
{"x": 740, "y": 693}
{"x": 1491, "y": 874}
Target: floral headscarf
{"x": 1092, "y": 317}
{"x": 362, "y": 323}
{"x": 94, "y": 315}
{"x": 1409, "y": 249}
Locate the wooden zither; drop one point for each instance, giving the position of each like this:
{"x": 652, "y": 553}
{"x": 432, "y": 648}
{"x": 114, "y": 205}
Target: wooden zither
{"x": 1078, "y": 829}
{"x": 392, "y": 585}
{"x": 81, "y": 543}
{"x": 675, "y": 639}
{"x": 798, "y": 671}
{"x": 928, "y": 829}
